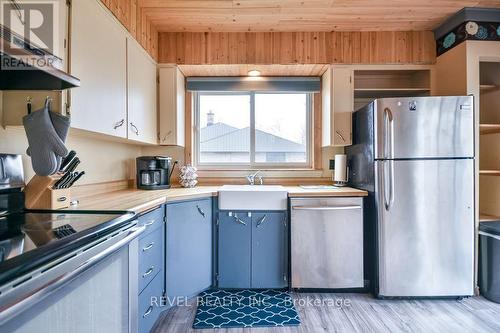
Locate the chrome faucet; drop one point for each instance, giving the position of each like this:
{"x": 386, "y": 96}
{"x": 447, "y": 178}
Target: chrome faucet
{"x": 251, "y": 178}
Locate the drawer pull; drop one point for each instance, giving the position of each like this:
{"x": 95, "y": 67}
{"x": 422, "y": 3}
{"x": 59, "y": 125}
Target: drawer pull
{"x": 237, "y": 219}
{"x": 149, "y": 223}
{"x": 148, "y": 312}
{"x": 262, "y": 220}
{"x": 325, "y": 207}
{"x": 149, "y": 271}
{"x": 144, "y": 249}
{"x": 202, "y": 213}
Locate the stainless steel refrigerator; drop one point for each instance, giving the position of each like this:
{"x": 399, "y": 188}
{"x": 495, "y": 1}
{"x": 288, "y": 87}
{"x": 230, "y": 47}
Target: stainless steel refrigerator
{"x": 415, "y": 157}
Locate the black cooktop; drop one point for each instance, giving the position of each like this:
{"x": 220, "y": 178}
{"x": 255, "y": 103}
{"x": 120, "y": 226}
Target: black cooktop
{"x": 22, "y": 232}
{"x": 31, "y": 238}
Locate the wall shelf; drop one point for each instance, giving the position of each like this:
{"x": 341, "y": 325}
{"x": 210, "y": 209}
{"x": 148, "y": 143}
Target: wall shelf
{"x": 489, "y": 128}
{"x": 488, "y": 87}
{"x": 488, "y": 218}
{"x": 489, "y": 172}
{"x": 390, "y": 92}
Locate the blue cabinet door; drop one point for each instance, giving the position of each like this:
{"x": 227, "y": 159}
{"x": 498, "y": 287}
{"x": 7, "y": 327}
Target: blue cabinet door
{"x": 234, "y": 250}
{"x": 269, "y": 250}
{"x": 189, "y": 248}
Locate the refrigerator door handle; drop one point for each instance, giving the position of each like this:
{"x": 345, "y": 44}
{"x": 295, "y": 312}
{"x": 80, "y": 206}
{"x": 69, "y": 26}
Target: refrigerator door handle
{"x": 388, "y": 182}
{"x": 391, "y": 184}
{"x": 388, "y": 133}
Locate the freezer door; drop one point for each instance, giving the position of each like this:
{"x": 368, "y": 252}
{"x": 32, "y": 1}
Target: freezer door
{"x": 425, "y": 212}
{"x": 424, "y": 127}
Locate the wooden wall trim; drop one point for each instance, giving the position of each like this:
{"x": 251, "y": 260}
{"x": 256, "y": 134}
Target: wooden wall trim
{"x": 188, "y": 129}
{"x": 381, "y": 47}
{"x": 317, "y": 131}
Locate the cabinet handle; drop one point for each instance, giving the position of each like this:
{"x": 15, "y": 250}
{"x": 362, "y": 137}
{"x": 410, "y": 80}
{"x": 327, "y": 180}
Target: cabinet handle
{"x": 149, "y": 271}
{"x": 237, "y": 219}
{"x": 119, "y": 124}
{"x": 148, "y": 311}
{"x": 341, "y": 136}
{"x": 202, "y": 213}
{"x": 144, "y": 249}
{"x": 134, "y": 129}
{"x": 166, "y": 136}
{"x": 262, "y": 220}
{"x": 149, "y": 223}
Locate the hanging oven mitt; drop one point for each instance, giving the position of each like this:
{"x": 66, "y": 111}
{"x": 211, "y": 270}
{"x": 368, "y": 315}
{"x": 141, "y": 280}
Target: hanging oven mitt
{"x": 61, "y": 125}
{"x": 45, "y": 146}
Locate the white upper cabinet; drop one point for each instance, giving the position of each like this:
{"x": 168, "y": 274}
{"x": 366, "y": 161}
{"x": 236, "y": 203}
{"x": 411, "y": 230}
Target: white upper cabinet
{"x": 142, "y": 79}
{"x": 98, "y": 59}
{"x": 338, "y": 103}
{"x": 172, "y": 106}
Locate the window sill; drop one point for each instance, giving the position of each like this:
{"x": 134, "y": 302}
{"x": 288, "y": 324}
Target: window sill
{"x": 269, "y": 173}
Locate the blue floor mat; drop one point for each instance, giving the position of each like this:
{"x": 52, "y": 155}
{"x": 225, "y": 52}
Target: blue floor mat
{"x": 245, "y": 308}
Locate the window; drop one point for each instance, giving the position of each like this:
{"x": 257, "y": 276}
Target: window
{"x": 252, "y": 129}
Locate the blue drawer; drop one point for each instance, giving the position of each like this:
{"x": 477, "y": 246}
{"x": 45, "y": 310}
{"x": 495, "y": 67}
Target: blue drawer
{"x": 152, "y": 220}
{"x": 149, "y": 304}
{"x": 151, "y": 260}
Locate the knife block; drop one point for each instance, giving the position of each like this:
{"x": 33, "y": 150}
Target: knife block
{"x": 39, "y": 194}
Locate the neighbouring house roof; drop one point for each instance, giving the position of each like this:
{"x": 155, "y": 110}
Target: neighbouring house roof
{"x": 221, "y": 137}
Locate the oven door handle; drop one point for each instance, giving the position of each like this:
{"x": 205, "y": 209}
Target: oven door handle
{"x": 65, "y": 278}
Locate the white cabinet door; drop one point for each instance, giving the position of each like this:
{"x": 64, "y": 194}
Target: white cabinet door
{"x": 338, "y": 104}
{"x": 142, "y": 115}
{"x": 172, "y": 106}
{"x": 98, "y": 59}
{"x": 343, "y": 105}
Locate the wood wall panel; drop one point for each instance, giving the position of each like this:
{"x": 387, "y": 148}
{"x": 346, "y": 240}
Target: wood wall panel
{"x": 134, "y": 19}
{"x": 392, "y": 47}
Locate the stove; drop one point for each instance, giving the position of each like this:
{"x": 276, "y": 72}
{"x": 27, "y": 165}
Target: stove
{"x": 23, "y": 232}
{"x": 31, "y": 238}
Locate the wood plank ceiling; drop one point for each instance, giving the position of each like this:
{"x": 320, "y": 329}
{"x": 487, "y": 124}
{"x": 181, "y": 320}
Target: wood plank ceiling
{"x": 301, "y": 15}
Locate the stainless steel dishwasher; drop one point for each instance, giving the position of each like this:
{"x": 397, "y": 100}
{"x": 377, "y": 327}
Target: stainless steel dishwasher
{"x": 327, "y": 242}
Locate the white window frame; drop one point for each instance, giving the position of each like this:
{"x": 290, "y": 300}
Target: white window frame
{"x": 252, "y": 165}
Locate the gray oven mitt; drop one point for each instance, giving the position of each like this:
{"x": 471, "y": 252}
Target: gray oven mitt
{"x": 61, "y": 125}
{"x": 45, "y": 146}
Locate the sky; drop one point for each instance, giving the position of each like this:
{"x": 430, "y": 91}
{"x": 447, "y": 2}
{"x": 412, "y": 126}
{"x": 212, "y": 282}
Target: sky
{"x": 283, "y": 115}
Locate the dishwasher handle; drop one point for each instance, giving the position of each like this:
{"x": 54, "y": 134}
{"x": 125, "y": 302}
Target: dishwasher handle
{"x": 326, "y": 207}
{"x": 65, "y": 278}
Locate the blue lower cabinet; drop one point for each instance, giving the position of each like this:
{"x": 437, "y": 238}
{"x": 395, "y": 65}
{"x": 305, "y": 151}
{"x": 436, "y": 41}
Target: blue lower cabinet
{"x": 234, "y": 249}
{"x": 150, "y": 267}
{"x": 150, "y": 301}
{"x": 252, "y": 250}
{"x": 152, "y": 220}
{"x": 269, "y": 250}
{"x": 151, "y": 260}
{"x": 189, "y": 248}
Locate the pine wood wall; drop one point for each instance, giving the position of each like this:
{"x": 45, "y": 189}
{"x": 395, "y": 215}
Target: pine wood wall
{"x": 394, "y": 47}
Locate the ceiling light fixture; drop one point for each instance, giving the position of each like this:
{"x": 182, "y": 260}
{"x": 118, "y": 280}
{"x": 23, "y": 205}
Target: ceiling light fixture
{"x": 254, "y": 72}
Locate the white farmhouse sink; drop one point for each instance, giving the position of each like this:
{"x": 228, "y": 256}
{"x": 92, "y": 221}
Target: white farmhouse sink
{"x": 253, "y": 197}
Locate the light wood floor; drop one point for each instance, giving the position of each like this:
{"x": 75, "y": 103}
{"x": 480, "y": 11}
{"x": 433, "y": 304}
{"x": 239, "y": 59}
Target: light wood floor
{"x": 365, "y": 314}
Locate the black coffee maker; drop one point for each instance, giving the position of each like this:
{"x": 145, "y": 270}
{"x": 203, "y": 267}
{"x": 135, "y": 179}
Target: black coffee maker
{"x": 154, "y": 172}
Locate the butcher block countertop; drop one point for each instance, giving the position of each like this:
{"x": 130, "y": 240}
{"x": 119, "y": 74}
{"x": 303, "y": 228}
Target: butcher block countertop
{"x": 140, "y": 200}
